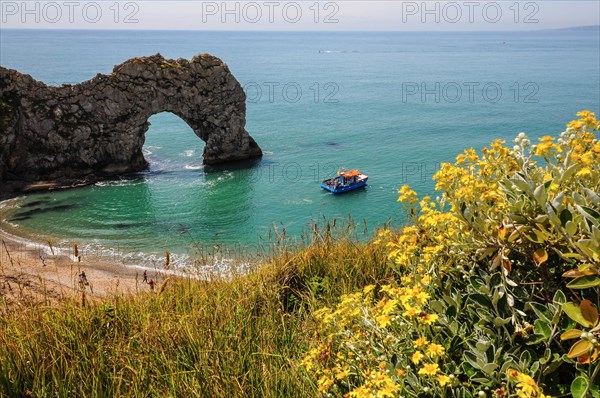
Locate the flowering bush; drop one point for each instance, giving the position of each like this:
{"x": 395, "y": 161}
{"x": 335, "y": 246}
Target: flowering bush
{"x": 496, "y": 276}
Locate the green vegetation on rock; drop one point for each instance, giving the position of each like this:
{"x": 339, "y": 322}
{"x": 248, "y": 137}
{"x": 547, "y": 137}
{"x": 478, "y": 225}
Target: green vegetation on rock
{"x": 6, "y": 115}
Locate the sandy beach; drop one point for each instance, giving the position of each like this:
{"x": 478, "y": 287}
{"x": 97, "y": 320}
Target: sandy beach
{"x": 34, "y": 273}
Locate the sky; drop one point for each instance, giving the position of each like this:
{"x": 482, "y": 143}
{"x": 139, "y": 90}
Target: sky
{"x": 308, "y": 15}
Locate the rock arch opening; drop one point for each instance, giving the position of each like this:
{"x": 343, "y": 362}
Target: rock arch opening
{"x": 170, "y": 143}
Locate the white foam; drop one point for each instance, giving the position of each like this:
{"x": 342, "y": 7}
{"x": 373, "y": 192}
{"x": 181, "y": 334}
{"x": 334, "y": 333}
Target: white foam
{"x": 12, "y": 203}
{"x": 298, "y": 201}
{"x": 45, "y": 248}
{"x": 117, "y": 183}
{"x": 189, "y": 153}
{"x": 193, "y": 166}
{"x": 181, "y": 265}
{"x": 149, "y": 150}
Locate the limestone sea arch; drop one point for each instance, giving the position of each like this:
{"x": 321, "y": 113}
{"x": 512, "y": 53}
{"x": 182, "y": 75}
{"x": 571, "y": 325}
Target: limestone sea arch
{"x": 96, "y": 129}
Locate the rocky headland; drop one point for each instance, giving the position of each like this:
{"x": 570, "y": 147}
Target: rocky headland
{"x": 77, "y": 134}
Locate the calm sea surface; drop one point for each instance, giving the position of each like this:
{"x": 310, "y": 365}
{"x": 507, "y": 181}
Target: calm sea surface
{"x": 394, "y": 105}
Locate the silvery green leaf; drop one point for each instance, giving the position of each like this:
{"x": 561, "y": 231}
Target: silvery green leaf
{"x": 568, "y": 173}
{"x": 592, "y": 196}
{"x": 489, "y": 368}
{"x": 540, "y": 194}
{"x": 571, "y": 228}
{"x": 558, "y": 200}
{"x": 510, "y": 282}
{"x": 510, "y": 299}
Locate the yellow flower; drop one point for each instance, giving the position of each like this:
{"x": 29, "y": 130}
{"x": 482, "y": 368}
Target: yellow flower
{"x": 411, "y": 311}
{"x": 421, "y": 342}
{"x": 389, "y": 306}
{"x": 526, "y": 386}
{"x": 443, "y": 380}
{"x": 428, "y": 319}
{"x": 575, "y": 125}
{"x": 471, "y": 155}
{"x": 435, "y": 350}
{"x": 388, "y": 390}
{"x": 377, "y": 384}
{"x": 342, "y": 374}
{"x": 585, "y": 113}
{"x": 368, "y": 289}
{"x": 584, "y": 172}
{"x": 360, "y": 392}
{"x": 587, "y": 158}
{"x": 422, "y": 297}
{"x": 546, "y": 146}
{"x": 416, "y": 357}
{"x": 430, "y": 369}
{"x": 407, "y": 195}
{"x": 383, "y": 320}
{"x": 324, "y": 383}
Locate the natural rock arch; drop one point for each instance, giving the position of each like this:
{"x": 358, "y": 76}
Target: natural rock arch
{"x": 96, "y": 128}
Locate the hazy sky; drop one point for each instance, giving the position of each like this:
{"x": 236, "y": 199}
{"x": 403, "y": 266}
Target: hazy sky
{"x": 300, "y": 15}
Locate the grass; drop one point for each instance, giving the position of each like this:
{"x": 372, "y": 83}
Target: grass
{"x": 240, "y": 337}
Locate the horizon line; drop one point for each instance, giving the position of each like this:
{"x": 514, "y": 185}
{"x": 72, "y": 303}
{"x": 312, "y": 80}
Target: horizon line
{"x": 298, "y": 30}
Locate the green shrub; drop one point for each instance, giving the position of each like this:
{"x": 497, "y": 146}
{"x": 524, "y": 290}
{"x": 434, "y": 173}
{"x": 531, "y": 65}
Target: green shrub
{"x": 479, "y": 305}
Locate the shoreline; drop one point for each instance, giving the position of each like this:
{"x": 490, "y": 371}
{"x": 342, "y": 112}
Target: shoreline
{"x": 33, "y": 274}
{"x": 120, "y": 256}
{"x": 197, "y": 259}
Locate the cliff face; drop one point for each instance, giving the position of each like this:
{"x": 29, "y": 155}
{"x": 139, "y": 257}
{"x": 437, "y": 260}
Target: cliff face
{"x": 96, "y": 128}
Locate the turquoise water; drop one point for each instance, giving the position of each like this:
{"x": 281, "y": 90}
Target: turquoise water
{"x": 338, "y": 99}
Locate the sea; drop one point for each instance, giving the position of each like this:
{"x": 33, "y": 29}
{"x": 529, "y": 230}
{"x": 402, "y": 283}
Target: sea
{"x": 394, "y": 105}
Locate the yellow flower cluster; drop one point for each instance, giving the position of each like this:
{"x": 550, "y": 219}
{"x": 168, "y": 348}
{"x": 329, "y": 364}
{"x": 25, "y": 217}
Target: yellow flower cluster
{"x": 472, "y": 179}
{"x": 356, "y": 338}
{"x": 378, "y": 384}
{"x": 431, "y": 240}
{"x": 583, "y": 144}
{"x": 547, "y": 146}
{"x": 407, "y": 195}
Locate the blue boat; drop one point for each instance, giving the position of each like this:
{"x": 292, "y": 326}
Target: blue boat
{"x": 345, "y": 181}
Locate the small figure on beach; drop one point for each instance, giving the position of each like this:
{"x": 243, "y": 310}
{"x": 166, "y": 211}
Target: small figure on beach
{"x": 83, "y": 280}
{"x": 151, "y": 283}
{"x": 145, "y": 276}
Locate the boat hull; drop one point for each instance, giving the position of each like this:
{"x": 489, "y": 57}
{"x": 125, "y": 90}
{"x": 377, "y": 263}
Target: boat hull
{"x": 345, "y": 189}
